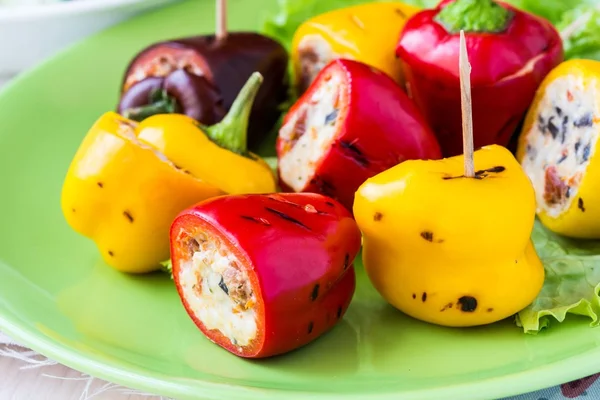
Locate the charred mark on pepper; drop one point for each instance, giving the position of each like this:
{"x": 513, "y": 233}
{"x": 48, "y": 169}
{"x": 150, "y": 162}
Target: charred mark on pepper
{"x": 482, "y": 173}
{"x": 354, "y": 152}
{"x": 586, "y": 120}
{"x": 330, "y": 204}
{"x": 315, "y": 293}
{"x": 257, "y": 220}
{"x": 346, "y": 261}
{"x": 490, "y": 309}
{"x": 580, "y": 204}
{"x": 72, "y": 209}
{"x": 427, "y": 235}
{"x": 424, "y": 297}
{"x": 311, "y": 325}
{"x": 399, "y": 12}
{"x": 111, "y": 253}
{"x": 128, "y": 215}
{"x": 223, "y": 286}
{"x": 323, "y": 186}
{"x": 339, "y": 312}
{"x": 467, "y": 303}
{"x": 100, "y": 185}
{"x": 447, "y": 306}
{"x": 414, "y": 296}
{"x": 377, "y": 216}
{"x": 331, "y": 117}
{"x": 286, "y": 217}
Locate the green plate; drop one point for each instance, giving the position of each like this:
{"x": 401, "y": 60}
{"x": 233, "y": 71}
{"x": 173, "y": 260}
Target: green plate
{"x": 57, "y": 297}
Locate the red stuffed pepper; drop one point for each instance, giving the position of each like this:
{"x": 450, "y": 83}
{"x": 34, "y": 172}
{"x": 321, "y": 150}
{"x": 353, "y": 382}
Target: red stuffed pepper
{"x": 510, "y": 52}
{"x": 352, "y": 123}
{"x": 262, "y": 275}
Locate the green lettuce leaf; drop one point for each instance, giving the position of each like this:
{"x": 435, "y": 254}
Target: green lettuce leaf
{"x": 572, "y": 281}
{"x": 580, "y": 28}
{"x": 167, "y": 267}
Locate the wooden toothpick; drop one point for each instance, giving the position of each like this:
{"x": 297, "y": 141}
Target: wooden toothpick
{"x": 221, "y": 33}
{"x": 466, "y": 107}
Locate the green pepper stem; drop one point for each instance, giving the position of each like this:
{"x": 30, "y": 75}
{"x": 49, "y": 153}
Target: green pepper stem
{"x": 474, "y": 16}
{"x": 232, "y": 132}
{"x": 159, "y": 103}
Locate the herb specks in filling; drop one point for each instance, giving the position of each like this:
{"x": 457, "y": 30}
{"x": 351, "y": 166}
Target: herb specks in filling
{"x": 310, "y": 133}
{"x": 561, "y": 143}
{"x": 218, "y": 291}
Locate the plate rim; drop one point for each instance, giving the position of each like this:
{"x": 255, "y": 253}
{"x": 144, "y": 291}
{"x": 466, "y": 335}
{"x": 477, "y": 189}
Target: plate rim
{"x": 512, "y": 384}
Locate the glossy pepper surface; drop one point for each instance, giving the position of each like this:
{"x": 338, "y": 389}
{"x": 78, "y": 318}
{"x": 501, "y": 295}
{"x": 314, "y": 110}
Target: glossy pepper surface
{"x": 558, "y": 149}
{"x": 447, "y": 249}
{"x": 367, "y": 33}
{"x": 510, "y": 52}
{"x": 201, "y": 76}
{"x": 351, "y": 124}
{"x": 124, "y": 195}
{"x": 217, "y": 154}
{"x": 262, "y": 275}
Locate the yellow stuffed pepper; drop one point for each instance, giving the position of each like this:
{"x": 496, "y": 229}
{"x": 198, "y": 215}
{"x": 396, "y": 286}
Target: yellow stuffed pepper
{"x": 558, "y": 147}
{"x": 128, "y": 181}
{"x": 367, "y": 33}
{"x": 447, "y": 249}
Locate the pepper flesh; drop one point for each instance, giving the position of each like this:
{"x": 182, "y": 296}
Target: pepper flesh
{"x": 204, "y": 76}
{"x": 372, "y": 126}
{"x": 296, "y": 253}
{"x": 558, "y": 149}
{"x": 364, "y": 33}
{"x": 507, "y": 68}
{"x": 120, "y": 193}
{"x": 447, "y": 249}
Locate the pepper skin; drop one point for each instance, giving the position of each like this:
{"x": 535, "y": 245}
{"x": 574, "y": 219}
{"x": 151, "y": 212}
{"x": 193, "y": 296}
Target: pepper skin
{"x": 558, "y": 149}
{"x": 124, "y": 196}
{"x": 351, "y": 124}
{"x": 447, "y": 249}
{"x": 365, "y": 33}
{"x": 200, "y": 77}
{"x": 262, "y": 275}
{"x": 215, "y": 154}
{"x": 508, "y": 65}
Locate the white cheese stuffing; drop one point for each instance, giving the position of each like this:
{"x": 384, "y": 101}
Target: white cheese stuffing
{"x": 219, "y": 293}
{"x": 309, "y": 134}
{"x": 561, "y": 143}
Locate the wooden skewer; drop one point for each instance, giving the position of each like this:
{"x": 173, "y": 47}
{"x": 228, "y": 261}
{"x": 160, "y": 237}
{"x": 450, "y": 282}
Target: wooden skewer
{"x": 466, "y": 106}
{"x": 221, "y": 32}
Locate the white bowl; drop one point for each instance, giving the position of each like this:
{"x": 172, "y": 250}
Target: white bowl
{"x": 30, "y": 33}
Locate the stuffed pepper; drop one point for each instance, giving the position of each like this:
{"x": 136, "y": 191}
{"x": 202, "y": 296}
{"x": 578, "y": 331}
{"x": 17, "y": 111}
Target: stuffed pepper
{"x": 460, "y": 260}
{"x": 558, "y": 147}
{"x": 511, "y": 52}
{"x": 128, "y": 181}
{"x": 201, "y": 76}
{"x": 366, "y": 32}
{"x": 351, "y": 124}
{"x": 262, "y": 275}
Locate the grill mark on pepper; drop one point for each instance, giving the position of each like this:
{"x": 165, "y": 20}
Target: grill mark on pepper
{"x": 427, "y": 236}
{"x": 223, "y": 286}
{"x": 110, "y": 253}
{"x": 330, "y": 204}
{"x": 467, "y": 303}
{"x": 447, "y": 306}
{"x": 377, "y": 216}
{"x": 414, "y": 296}
{"x": 100, "y": 185}
{"x": 585, "y": 120}
{"x": 424, "y": 297}
{"x": 323, "y": 186}
{"x": 480, "y": 174}
{"x": 580, "y": 204}
{"x": 315, "y": 293}
{"x": 257, "y": 220}
{"x": 287, "y": 217}
{"x": 399, "y": 12}
{"x": 354, "y": 152}
{"x": 128, "y": 215}
{"x": 311, "y": 325}
{"x": 346, "y": 261}
{"x": 490, "y": 309}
